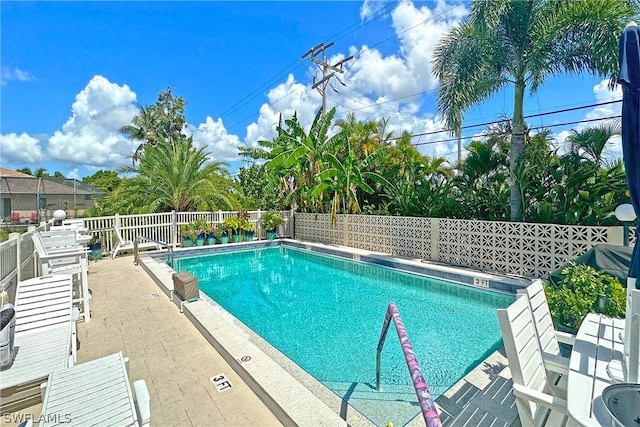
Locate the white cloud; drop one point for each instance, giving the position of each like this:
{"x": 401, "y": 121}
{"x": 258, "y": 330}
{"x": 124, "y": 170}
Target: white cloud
{"x": 602, "y": 94}
{"x": 213, "y": 136}
{"x": 287, "y": 98}
{"x": 20, "y": 149}
{"x": 375, "y": 82}
{"x": 8, "y": 74}
{"x": 90, "y": 136}
{"x": 419, "y": 31}
{"x": 370, "y": 8}
{"x": 74, "y": 174}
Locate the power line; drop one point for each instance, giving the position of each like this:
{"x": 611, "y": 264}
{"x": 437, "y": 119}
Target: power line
{"x": 257, "y": 92}
{"x": 378, "y": 14}
{"x": 526, "y": 117}
{"x": 396, "y": 36}
{"x": 340, "y": 35}
{"x": 533, "y": 128}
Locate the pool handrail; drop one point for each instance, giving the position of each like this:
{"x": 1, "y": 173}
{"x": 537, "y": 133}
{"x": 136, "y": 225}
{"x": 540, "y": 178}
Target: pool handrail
{"x": 427, "y": 405}
{"x": 136, "y": 252}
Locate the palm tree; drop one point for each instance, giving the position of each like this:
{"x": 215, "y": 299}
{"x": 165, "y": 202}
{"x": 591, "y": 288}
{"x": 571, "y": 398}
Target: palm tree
{"x": 174, "y": 175}
{"x": 143, "y": 128}
{"x": 365, "y": 137}
{"x": 589, "y": 144}
{"x": 522, "y": 43}
{"x": 41, "y": 173}
{"x": 162, "y": 121}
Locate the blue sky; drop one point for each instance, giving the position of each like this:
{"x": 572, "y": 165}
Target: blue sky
{"x": 74, "y": 72}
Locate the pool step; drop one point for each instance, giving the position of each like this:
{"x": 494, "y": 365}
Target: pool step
{"x": 400, "y": 400}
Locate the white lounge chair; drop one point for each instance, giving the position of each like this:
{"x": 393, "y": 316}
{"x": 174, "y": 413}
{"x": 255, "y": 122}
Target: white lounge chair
{"x": 45, "y": 338}
{"x": 128, "y": 245}
{"x": 81, "y": 233}
{"x": 97, "y": 392}
{"x": 536, "y": 405}
{"x": 57, "y": 254}
{"x": 60, "y": 240}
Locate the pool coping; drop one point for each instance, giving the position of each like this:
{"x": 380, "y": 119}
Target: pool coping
{"x": 293, "y": 395}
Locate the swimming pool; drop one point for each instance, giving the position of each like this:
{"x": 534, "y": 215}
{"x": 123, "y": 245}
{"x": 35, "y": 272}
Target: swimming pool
{"x": 325, "y": 314}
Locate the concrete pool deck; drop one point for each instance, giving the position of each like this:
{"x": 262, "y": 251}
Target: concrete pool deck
{"x": 129, "y": 314}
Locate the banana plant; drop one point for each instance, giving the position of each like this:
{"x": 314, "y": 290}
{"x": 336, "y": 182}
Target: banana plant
{"x": 343, "y": 179}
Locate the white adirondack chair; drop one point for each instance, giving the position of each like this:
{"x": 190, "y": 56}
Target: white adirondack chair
{"x": 58, "y": 254}
{"x": 45, "y": 338}
{"x": 548, "y": 338}
{"x": 632, "y": 333}
{"x": 536, "y": 405}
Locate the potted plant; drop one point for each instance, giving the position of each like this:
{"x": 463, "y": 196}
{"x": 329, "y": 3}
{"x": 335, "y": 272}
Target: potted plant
{"x": 234, "y": 225}
{"x": 95, "y": 248}
{"x": 220, "y": 234}
{"x": 248, "y": 227}
{"x": 270, "y": 221}
{"x": 189, "y": 234}
{"x": 201, "y": 227}
{"x": 211, "y": 234}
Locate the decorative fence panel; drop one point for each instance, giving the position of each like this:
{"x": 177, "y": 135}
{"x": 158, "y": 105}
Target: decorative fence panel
{"x": 523, "y": 249}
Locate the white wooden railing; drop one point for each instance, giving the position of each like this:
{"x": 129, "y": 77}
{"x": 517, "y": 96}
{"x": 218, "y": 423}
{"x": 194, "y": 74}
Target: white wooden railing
{"x": 17, "y": 254}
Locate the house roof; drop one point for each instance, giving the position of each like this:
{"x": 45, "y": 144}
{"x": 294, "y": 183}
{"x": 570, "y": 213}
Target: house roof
{"x": 44, "y": 186}
{"x": 8, "y": 172}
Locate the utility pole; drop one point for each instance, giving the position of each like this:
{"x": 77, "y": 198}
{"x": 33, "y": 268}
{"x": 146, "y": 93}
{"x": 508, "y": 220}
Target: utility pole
{"x": 328, "y": 70}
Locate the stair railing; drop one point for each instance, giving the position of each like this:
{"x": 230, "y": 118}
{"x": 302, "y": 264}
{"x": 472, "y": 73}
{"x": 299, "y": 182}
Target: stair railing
{"x": 427, "y": 405}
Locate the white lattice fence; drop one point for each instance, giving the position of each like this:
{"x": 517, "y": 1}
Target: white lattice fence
{"x": 403, "y": 236}
{"x": 317, "y": 229}
{"x": 524, "y": 249}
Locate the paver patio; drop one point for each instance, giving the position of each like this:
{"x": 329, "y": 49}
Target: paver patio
{"x": 130, "y": 314}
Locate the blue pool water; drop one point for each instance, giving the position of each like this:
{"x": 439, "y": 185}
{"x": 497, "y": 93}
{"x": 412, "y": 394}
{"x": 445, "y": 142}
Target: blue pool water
{"x": 326, "y": 313}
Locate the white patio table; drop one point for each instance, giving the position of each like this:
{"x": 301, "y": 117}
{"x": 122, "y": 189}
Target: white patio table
{"x": 92, "y": 393}
{"x": 597, "y": 343}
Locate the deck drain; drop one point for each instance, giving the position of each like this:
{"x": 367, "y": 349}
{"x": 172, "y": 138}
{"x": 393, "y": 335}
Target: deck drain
{"x": 154, "y": 295}
{"x": 221, "y": 382}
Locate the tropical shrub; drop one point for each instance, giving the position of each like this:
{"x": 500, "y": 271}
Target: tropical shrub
{"x": 248, "y": 225}
{"x": 576, "y": 295}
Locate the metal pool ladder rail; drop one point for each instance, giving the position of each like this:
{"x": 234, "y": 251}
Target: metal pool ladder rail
{"x": 136, "y": 253}
{"x": 427, "y": 405}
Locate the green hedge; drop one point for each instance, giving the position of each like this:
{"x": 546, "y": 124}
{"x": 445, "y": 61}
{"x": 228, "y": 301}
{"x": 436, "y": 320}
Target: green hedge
{"x": 577, "y": 294}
